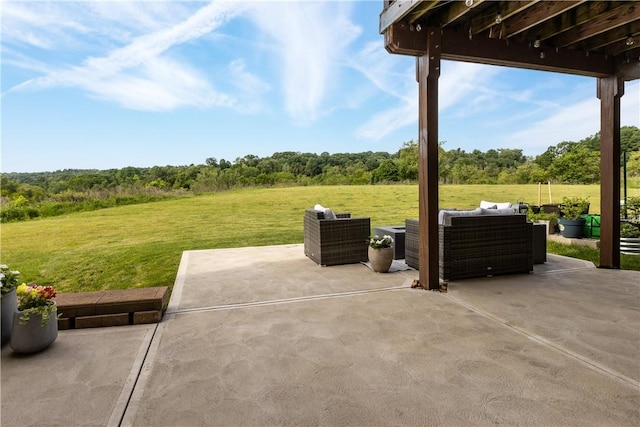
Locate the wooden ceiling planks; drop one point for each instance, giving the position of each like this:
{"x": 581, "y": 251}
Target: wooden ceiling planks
{"x": 606, "y": 31}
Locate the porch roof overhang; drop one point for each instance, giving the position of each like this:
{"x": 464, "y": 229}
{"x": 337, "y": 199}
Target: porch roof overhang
{"x": 589, "y": 38}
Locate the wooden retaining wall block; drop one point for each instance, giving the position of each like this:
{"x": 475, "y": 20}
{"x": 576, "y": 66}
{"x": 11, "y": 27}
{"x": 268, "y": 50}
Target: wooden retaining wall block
{"x": 111, "y": 308}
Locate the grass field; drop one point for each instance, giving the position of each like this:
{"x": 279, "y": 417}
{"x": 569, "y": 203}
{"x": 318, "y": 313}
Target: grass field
{"x": 141, "y": 245}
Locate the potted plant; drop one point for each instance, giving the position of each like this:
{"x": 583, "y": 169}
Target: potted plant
{"x": 549, "y": 219}
{"x": 570, "y": 223}
{"x": 9, "y": 281}
{"x": 35, "y": 323}
{"x": 629, "y": 239}
{"x": 632, "y": 209}
{"x": 380, "y": 253}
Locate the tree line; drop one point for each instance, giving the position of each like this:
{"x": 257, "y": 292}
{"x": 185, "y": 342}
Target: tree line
{"x": 28, "y": 195}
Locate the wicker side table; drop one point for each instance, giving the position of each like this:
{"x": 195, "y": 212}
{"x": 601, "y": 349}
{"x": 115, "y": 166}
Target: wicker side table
{"x": 398, "y": 233}
{"x": 539, "y": 243}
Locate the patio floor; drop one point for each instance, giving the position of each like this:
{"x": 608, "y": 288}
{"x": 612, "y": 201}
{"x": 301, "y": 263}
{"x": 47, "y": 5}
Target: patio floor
{"x": 263, "y": 336}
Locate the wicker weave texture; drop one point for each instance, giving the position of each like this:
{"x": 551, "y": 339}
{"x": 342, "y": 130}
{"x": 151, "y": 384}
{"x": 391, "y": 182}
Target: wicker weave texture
{"x": 335, "y": 241}
{"x": 477, "y": 246}
{"x": 411, "y": 244}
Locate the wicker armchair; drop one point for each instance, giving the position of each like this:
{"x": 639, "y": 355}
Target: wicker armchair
{"x": 477, "y": 246}
{"x": 335, "y": 241}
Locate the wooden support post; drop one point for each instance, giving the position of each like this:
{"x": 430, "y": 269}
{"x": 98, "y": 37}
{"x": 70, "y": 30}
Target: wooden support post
{"x": 610, "y": 90}
{"x": 428, "y": 73}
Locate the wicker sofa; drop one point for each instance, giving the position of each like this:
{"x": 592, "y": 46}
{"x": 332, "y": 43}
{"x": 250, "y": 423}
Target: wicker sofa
{"x": 335, "y": 241}
{"x": 477, "y": 245}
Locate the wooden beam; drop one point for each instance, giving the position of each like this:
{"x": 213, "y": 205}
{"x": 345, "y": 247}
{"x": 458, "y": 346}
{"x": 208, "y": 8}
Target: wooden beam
{"x": 506, "y": 9}
{"x": 620, "y": 49}
{"x": 571, "y": 18}
{"x": 457, "y": 46}
{"x": 610, "y": 89}
{"x": 612, "y": 37}
{"x": 396, "y": 11}
{"x": 429, "y": 72}
{"x": 423, "y": 8}
{"x": 629, "y": 70}
{"x": 456, "y": 11}
{"x": 607, "y": 21}
{"x": 536, "y": 15}
{"x": 399, "y": 39}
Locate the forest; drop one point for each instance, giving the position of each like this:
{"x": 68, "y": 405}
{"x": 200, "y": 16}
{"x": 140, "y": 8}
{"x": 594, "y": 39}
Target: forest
{"x": 40, "y": 194}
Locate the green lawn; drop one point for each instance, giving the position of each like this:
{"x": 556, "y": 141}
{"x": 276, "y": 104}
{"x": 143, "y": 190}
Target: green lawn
{"x": 141, "y": 245}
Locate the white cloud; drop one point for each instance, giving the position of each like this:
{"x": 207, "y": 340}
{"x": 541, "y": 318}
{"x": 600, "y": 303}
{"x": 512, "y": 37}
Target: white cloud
{"x": 458, "y": 82}
{"x": 393, "y": 75}
{"x": 389, "y": 120}
{"x": 574, "y": 122}
{"x": 469, "y": 83}
{"x": 158, "y": 85}
{"x": 569, "y": 123}
{"x": 63, "y": 24}
{"x": 388, "y": 73}
{"x": 39, "y": 26}
{"x": 250, "y": 87}
{"x": 308, "y": 39}
{"x": 137, "y": 76}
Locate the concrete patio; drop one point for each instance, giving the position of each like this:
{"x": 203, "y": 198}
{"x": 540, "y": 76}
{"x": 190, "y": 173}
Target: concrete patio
{"x": 263, "y": 336}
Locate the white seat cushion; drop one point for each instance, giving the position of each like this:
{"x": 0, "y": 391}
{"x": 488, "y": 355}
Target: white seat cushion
{"x": 509, "y": 211}
{"x": 444, "y": 215}
{"x": 490, "y": 205}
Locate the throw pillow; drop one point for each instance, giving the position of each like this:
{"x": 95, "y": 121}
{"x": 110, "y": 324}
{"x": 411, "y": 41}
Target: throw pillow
{"x": 328, "y": 212}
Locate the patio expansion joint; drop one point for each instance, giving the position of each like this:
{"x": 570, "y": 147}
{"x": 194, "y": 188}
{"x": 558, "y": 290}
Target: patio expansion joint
{"x": 122, "y": 404}
{"x": 236, "y": 306}
{"x": 592, "y": 364}
{"x": 565, "y": 270}
{"x": 127, "y": 414}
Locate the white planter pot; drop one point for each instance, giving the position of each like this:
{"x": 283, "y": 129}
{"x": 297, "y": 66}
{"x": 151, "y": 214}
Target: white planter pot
{"x": 380, "y": 259}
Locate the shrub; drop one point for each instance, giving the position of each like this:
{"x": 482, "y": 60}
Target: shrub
{"x": 18, "y": 213}
{"x": 628, "y": 230}
{"x": 573, "y": 207}
{"x": 633, "y": 208}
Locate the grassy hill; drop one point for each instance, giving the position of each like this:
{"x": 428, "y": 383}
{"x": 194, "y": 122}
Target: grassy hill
{"x": 141, "y": 245}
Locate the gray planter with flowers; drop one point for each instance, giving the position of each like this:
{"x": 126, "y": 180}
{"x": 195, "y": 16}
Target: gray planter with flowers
{"x": 34, "y": 334}
{"x": 35, "y": 322}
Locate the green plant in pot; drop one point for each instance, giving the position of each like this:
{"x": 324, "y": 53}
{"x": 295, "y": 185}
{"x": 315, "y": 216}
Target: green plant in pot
{"x": 629, "y": 238}
{"x": 551, "y": 219}
{"x": 570, "y": 223}
{"x": 632, "y": 209}
{"x": 629, "y": 231}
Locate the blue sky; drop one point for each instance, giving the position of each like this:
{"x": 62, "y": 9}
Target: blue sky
{"x": 99, "y": 85}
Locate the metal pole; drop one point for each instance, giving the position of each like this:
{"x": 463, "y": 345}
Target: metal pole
{"x": 624, "y": 171}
